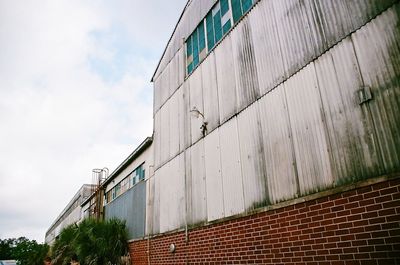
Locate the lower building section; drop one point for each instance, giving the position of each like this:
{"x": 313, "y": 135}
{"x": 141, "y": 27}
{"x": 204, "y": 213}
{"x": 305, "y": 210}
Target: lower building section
{"x": 358, "y": 224}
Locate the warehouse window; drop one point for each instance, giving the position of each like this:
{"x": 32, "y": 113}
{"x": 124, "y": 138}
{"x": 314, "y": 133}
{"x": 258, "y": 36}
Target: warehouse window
{"x": 134, "y": 177}
{"x": 212, "y": 28}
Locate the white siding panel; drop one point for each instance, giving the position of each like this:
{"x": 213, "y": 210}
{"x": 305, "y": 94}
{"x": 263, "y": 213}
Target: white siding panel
{"x": 196, "y": 101}
{"x": 197, "y": 184}
{"x": 157, "y": 139}
{"x": 164, "y": 86}
{"x": 184, "y": 117}
{"x": 215, "y": 194}
{"x": 226, "y": 79}
{"x": 377, "y": 48}
{"x": 210, "y": 92}
{"x": 267, "y": 51}
{"x": 156, "y": 204}
{"x": 278, "y": 148}
{"x": 157, "y": 94}
{"x": 174, "y": 125}
{"x": 310, "y": 143}
{"x": 349, "y": 125}
{"x": 231, "y": 168}
{"x": 247, "y": 90}
{"x": 164, "y": 133}
{"x": 172, "y": 195}
{"x": 296, "y": 32}
{"x": 252, "y": 157}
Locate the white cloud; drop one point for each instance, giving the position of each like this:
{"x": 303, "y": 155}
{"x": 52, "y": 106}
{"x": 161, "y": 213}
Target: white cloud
{"x": 60, "y": 117}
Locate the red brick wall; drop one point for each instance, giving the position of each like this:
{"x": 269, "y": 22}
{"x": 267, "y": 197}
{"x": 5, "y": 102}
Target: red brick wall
{"x": 360, "y": 226}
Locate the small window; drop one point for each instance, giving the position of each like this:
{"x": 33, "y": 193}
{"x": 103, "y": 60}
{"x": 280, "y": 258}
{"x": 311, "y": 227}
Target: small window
{"x": 239, "y": 8}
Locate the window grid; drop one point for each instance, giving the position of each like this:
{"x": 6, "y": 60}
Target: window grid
{"x": 212, "y": 28}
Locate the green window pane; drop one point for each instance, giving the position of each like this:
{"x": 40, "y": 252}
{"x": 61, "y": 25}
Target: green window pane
{"x": 246, "y": 5}
{"x": 202, "y": 37}
{"x": 189, "y": 46}
{"x": 226, "y": 27}
{"x": 217, "y": 26}
{"x": 210, "y": 31}
{"x": 224, "y": 7}
{"x": 195, "y": 44}
{"x": 190, "y": 68}
{"x": 236, "y": 10}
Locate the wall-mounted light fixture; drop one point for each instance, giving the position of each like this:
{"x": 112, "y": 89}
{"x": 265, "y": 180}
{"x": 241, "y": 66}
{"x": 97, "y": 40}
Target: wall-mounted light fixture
{"x": 196, "y": 113}
{"x": 172, "y": 248}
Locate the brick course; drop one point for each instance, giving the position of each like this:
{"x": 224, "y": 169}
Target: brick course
{"x": 360, "y": 226}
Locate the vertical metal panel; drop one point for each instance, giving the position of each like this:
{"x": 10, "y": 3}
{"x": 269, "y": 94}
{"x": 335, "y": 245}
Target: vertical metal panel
{"x": 298, "y": 35}
{"x": 278, "y": 146}
{"x": 174, "y": 125}
{"x": 172, "y": 195}
{"x": 377, "y": 48}
{"x": 130, "y": 207}
{"x": 150, "y": 205}
{"x": 364, "y": 10}
{"x": 231, "y": 168}
{"x": 252, "y": 157}
{"x": 157, "y": 94}
{"x": 247, "y": 89}
{"x": 181, "y": 65}
{"x": 210, "y": 92}
{"x": 164, "y": 133}
{"x": 267, "y": 51}
{"x": 164, "y": 86}
{"x": 174, "y": 74}
{"x": 184, "y": 116}
{"x": 350, "y": 127}
{"x": 308, "y": 130}
{"x": 226, "y": 79}
{"x": 215, "y": 194}
{"x": 156, "y": 202}
{"x": 196, "y": 101}
{"x": 197, "y": 185}
{"x": 157, "y": 139}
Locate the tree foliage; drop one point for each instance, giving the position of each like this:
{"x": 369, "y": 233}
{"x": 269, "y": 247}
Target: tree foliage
{"x": 25, "y": 251}
{"x": 95, "y": 242}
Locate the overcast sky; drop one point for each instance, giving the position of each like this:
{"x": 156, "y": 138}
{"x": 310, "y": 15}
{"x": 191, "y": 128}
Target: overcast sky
{"x": 75, "y": 94}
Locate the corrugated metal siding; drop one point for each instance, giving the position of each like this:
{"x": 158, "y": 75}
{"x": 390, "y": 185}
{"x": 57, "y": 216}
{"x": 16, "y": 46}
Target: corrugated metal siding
{"x": 164, "y": 133}
{"x": 150, "y": 191}
{"x": 157, "y": 95}
{"x": 297, "y": 35}
{"x": 267, "y": 51}
{"x": 131, "y": 207}
{"x": 308, "y": 130}
{"x": 349, "y": 124}
{"x": 377, "y": 48}
{"x": 252, "y": 157}
{"x": 210, "y": 92}
{"x": 196, "y": 101}
{"x": 174, "y": 72}
{"x": 278, "y": 146}
{"x": 157, "y": 139}
{"x": 215, "y": 194}
{"x": 172, "y": 194}
{"x": 164, "y": 85}
{"x": 174, "y": 125}
{"x": 231, "y": 168}
{"x": 197, "y": 185}
{"x": 156, "y": 202}
{"x": 226, "y": 80}
{"x": 247, "y": 89}
{"x": 184, "y": 117}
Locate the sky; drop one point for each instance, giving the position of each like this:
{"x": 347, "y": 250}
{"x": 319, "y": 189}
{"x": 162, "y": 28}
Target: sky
{"x": 75, "y": 94}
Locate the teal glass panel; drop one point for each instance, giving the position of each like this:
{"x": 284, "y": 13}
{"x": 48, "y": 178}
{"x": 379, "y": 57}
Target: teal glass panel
{"x": 246, "y": 5}
{"x": 236, "y": 10}
{"x": 210, "y": 32}
{"x": 224, "y": 7}
{"x": 217, "y": 26}
{"x": 202, "y": 36}
{"x": 189, "y": 49}
{"x": 190, "y": 68}
{"x": 226, "y": 27}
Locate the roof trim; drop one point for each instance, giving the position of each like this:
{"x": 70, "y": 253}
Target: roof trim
{"x": 170, "y": 38}
{"x": 138, "y": 151}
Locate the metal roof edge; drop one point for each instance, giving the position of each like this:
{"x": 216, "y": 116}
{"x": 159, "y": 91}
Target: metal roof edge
{"x": 170, "y": 38}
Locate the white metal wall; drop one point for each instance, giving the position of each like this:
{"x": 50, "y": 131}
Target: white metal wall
{"x": 281, "y": 95}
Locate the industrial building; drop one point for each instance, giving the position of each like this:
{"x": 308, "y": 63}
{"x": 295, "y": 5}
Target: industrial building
{"x": 71, "y": 214}
{"x": 276, "y": 135}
